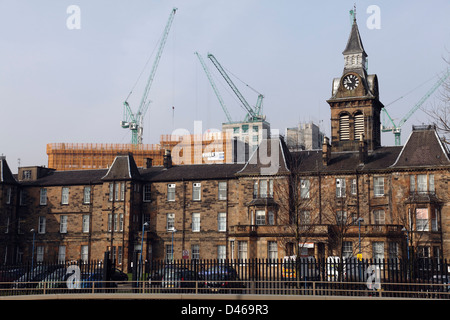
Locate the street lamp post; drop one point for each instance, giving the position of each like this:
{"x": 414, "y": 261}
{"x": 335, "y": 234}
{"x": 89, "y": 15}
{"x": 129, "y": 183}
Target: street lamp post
{"x": 407, "y": 242}
{"x": 32, "y": 250}
{"x": 173, "y": 230}
{"x": 360, "y": 220}
{"x": 142, "y": 250}
{"x": 359, "y": 232}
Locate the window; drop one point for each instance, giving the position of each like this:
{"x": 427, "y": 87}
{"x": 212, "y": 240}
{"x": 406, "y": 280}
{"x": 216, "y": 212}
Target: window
{"x": 353, "y": 188}
{"x": 378, "y": 250}
{"x": 122, "y": 191}
{"x": 85, "y": 223}
{"x": 305, "y": 219}
{"x": 170, "y": 221}
{"x": 222, "y": 190}
{"x": 63, "y": 224}
{"x": 340, "y": 188}
{"x": 412, "y": 183}
{"x": 378, "y": 186}
{"x": 260, "y": 217}
{"x": 8, "y": 195}
{"x": 347, "y": 249}
{"x": 84, "y": 254}
{"x": 422, "y": 219}
{"x": 255, "y": 189}
{"x": 242, "y": 249}
{"x": 111, "y": 191}
{"x": 110, "y": 222}
{"x": 263, "y": 188}
{"x": 341, "y": 217}
{"x": 171, "y": 192}
{"x": 87, "y": 195}
{"x": 65, "y": 195}
{"x": 304, "y": 189}
{"x": 393, "y": 250}
{"x": 379, "y": 217}
{"x": 62, "y": 254}
{"x": 196, "y": 191}
{"x": 431, "y": 183}
{"x": 272, "y": 250}
{"x": 255, "y": 129}
{"x": 434, "y": 220}
{"x": 195, "y": 248}
{"x": 221, "y": 252}
{"x": 26, "y": 175}
{"x": 169, "y": 252}
{"x": 235, "y": 129}
{"x": 147, "y": 193}
{"x": 196, "y": 222}
{"x": 244, "y": 128}
{"x": 222, "y": 221}
{"x": 39, "y": 253}
{"x": 271, "y": 218}
{"x": 43, "y": 197}
{"x": 422, "y": 183}
{"x": 121, "y": 222}
{"x": 41, "y": 227}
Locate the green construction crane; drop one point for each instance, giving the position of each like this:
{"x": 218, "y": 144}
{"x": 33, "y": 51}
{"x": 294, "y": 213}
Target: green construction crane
{"x": 252, "y": 114}
{"x": 135, "y": 121}
{"x": 396, "y": 128}
{"x": 213, "y": 85}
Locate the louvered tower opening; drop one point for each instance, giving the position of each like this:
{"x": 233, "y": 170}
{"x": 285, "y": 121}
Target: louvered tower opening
{"x": 359, "y": 125}
{"x": 344, "y": 127}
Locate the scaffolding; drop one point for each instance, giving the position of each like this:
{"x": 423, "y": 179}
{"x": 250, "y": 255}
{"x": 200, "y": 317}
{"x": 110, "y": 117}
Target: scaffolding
{"x": 185, "y": 149}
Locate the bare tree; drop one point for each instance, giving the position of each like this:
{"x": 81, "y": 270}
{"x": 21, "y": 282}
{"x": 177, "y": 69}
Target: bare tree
{"x": 440, "y": 112}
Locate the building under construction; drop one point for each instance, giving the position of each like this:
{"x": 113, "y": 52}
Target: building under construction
{"x": 186, "y": 149}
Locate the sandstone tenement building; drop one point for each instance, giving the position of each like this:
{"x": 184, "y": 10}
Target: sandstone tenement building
{"x": 352, "y": 196}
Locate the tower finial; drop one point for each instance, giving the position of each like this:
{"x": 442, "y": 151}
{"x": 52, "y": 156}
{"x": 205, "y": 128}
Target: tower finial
{"x": 353, "y": 14}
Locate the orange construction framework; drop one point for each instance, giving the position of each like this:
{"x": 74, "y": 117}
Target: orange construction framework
{"x": 186, "y": 149}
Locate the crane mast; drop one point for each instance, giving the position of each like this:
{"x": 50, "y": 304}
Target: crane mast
{"x": 251, "y": 113}
{"x": 135, "y": 121}
{"x": 213, "y": 85}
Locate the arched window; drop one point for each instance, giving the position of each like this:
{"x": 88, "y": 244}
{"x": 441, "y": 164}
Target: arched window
{"x": 344, "y": 127}
{"x": 359, "y": 125}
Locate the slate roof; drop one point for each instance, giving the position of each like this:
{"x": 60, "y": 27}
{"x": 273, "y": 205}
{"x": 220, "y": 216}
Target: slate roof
{"x": 123, "y": 168}
{"x": 354, "y": 43}
{"x": 6, "y": 175}
{"x": 190, "y": 172}
{"x": 423, "y": 148}
{"x": 265, "y": 162}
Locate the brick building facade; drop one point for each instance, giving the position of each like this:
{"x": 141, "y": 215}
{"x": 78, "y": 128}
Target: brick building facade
{"x": 352, "y": 196}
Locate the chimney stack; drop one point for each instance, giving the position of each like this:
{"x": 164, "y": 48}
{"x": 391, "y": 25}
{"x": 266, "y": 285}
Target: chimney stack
{"x": 148, "y": 163}
{"x": 167, "y": 162}
{"x": 362, "y": 149}
{"x": 326, "y": 151}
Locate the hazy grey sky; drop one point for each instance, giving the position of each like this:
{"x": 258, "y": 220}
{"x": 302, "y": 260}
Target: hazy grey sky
{"x": 68, "y": 85}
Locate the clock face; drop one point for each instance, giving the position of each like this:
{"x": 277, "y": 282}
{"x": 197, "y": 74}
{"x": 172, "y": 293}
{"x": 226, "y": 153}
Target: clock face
{"x": 350, "y": 82}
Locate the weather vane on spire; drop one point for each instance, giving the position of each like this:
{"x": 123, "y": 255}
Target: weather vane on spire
{"x": 353, "y": 14}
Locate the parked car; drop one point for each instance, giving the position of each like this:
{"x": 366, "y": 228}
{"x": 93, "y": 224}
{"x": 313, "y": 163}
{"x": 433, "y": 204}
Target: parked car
{"x": 56, "y": 279}
{"x": 10, "y": 275}
{"x": 182, "y": 278}
{"x": 296, "y": 269}
{"x": 31, "y": 279}
{"x": 222, "y": 278}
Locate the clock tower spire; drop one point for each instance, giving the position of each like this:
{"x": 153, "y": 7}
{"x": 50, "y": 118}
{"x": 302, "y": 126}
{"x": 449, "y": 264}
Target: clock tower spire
{"x": 355, "y": 105}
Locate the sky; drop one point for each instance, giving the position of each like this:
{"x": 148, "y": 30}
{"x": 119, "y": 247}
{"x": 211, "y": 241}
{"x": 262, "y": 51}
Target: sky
{"x": 65, "y": 73}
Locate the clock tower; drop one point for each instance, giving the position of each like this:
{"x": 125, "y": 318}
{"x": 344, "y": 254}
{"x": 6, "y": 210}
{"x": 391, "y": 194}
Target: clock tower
{"x": 355, "y": 106}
